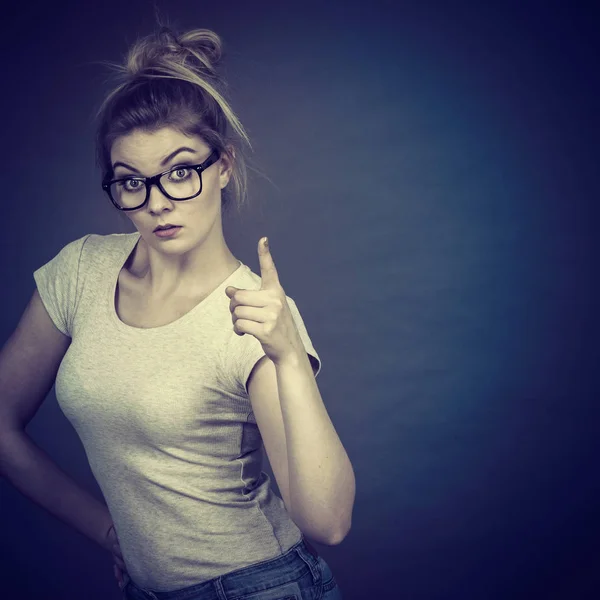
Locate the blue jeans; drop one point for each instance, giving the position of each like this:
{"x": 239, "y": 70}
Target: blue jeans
{"x": 299, "y": 574}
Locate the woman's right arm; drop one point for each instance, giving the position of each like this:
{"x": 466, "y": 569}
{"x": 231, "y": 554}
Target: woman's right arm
{"x": 29, "y": 362}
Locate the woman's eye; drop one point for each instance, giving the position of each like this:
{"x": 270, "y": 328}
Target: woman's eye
{"x": 130, "y": 185}
{"x": 179, "y": 172}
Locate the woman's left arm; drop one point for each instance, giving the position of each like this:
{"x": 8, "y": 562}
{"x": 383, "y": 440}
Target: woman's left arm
{"x": 290, "y": 412}
{"x": 321, "y": 479}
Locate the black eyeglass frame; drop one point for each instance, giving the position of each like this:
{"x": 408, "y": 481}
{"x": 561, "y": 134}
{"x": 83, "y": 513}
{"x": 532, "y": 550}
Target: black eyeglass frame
{"x": 155, "y": 180}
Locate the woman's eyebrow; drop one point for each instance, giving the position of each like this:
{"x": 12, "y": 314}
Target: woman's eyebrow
{"x": 163, "y": 162}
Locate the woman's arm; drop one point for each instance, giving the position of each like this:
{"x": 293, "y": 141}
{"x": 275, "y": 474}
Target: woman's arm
{"x": 35, "y": 475}
{"x": 29, "y": 361}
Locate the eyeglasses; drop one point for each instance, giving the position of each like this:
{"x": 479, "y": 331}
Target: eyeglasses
{"x": 182, "y": 182}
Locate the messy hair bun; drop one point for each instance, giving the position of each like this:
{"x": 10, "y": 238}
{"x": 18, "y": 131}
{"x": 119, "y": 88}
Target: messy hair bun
{"x": 201, "y": 49}
{"x": 171, "y": 80}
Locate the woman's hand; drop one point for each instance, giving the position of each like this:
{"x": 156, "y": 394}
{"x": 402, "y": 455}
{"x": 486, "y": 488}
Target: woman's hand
{"x": 112, "y": 545}
{"x": 265, "y": 314}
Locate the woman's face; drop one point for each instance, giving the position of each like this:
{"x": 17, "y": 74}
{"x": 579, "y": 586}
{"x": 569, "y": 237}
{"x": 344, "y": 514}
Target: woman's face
{"x": 144, "y": 153}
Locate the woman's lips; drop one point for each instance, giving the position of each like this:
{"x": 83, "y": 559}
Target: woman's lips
{"x": 168, "y": 232}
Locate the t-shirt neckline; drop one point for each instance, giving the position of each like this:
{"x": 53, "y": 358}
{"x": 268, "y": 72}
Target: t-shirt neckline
{"x": 112, "y": 288}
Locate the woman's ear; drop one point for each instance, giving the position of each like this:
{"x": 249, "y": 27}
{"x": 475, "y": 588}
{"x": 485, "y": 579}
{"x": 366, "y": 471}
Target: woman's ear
{"x": 226, "y": 166}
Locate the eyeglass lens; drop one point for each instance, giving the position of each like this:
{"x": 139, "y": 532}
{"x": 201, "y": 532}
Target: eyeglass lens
{"x": 180, "y": 183}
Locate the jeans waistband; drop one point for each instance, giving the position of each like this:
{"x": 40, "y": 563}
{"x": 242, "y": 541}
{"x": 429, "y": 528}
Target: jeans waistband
{"x": 300, "y": 548}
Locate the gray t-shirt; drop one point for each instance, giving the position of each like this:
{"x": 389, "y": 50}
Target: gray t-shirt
{"x": 165, "y": 420}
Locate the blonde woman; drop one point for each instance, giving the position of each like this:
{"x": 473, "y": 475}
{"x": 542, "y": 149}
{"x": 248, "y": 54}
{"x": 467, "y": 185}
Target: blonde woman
{"x": 175, "y": 362}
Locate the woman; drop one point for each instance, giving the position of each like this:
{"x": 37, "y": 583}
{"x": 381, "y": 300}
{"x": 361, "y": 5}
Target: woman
{"x": 181, "y": 361}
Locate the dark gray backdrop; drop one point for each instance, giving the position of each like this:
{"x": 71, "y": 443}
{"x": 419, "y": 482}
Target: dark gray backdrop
{"x": 432, "y": 210}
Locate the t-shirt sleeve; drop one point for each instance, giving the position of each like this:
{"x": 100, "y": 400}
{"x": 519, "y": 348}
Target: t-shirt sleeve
{"x": 57, "y": 282}
{"x": 244, "y": 351}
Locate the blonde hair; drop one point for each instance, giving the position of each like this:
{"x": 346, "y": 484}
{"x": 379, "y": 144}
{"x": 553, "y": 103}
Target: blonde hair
{"x": 171, "y": 80}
